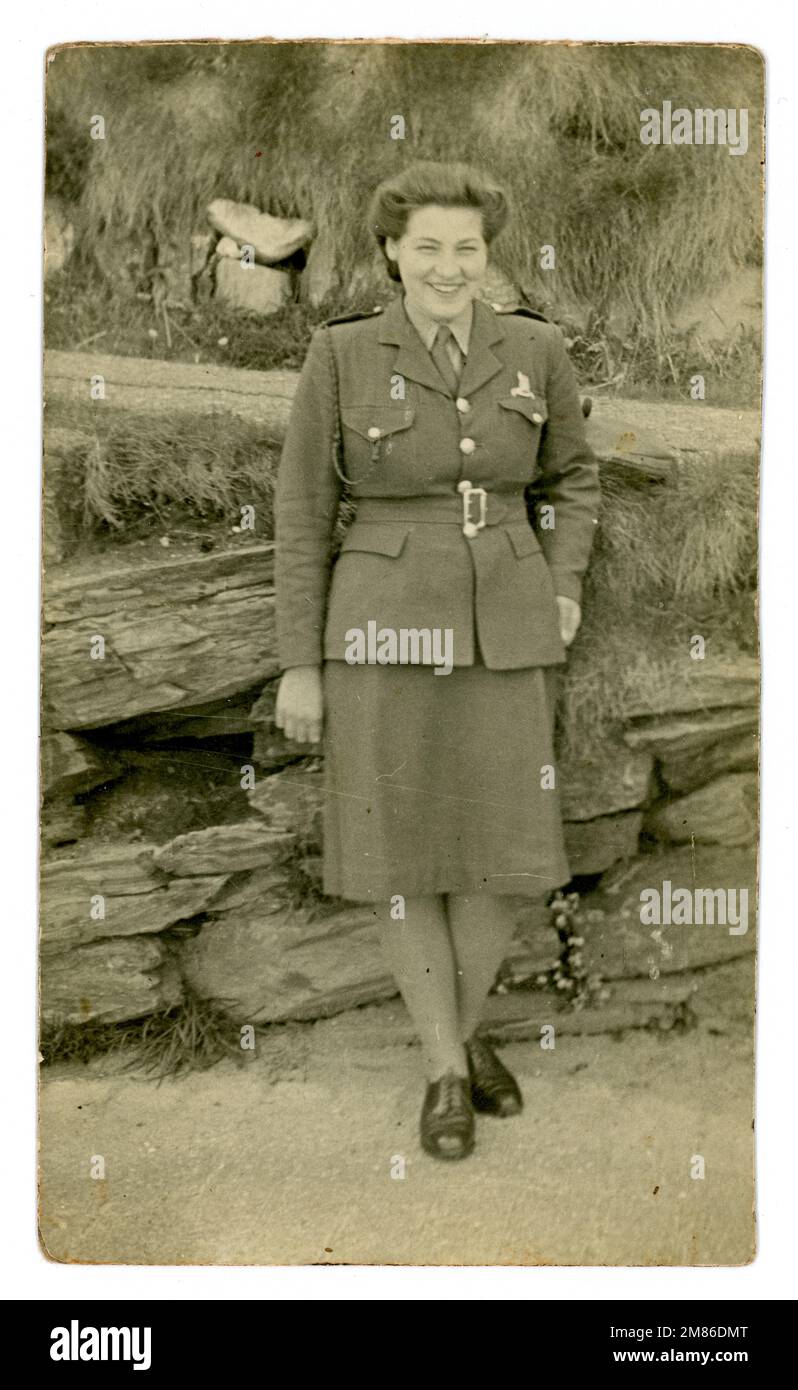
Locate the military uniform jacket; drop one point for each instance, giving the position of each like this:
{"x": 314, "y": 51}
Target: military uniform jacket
{"x": 371, "y": 404}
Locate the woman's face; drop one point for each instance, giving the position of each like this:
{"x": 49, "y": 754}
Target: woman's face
{"x": 442, "y": 258}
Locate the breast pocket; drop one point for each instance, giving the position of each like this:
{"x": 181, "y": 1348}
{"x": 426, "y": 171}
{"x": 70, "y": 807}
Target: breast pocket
{"x": 523, "y": 423}
{"x": 376, "y": 439}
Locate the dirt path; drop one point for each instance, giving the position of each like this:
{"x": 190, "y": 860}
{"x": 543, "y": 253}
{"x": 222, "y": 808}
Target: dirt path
{"x": 288, "y": 1160}
{"x": 155, "y": 387}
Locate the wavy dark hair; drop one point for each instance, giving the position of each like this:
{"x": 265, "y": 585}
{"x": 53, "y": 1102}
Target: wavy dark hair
{"x": 426, "y": 183}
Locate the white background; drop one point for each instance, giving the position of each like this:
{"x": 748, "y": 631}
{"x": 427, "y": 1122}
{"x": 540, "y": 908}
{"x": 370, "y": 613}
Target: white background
{"x": 28, "y": 31}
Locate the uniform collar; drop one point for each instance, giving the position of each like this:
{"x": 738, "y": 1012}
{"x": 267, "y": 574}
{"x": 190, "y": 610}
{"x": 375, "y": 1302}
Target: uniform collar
{"x": 427, "y": 327}
{"x": 413, "y": 361}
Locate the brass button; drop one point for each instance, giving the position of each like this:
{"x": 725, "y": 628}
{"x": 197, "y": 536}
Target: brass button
{"x": 462, "y": 404}
{"x": 537, "y": 419}
{"x": 374, "y": 433}
{"x": 467, "y": 446}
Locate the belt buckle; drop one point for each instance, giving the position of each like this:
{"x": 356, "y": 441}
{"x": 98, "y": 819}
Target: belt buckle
{"x": 468, "y": 492}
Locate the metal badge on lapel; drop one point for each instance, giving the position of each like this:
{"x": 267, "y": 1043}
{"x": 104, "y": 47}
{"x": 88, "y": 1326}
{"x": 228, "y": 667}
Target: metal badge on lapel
{"x": 523, "y": 388}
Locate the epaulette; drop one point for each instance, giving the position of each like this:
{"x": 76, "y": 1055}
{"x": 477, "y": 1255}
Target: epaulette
{"x": 353, "y": 318}
{"x": 525, "y": 313}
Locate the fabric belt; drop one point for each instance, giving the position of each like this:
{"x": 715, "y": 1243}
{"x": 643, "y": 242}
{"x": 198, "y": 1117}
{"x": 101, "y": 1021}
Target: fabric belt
{"x": 470, "y": 508}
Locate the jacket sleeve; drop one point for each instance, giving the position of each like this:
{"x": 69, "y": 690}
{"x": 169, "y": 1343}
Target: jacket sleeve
{"x": 306, "y": 506}
{"x": 569, "y": 481}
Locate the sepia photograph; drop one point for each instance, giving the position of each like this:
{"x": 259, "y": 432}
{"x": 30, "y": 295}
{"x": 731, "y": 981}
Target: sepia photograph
{"x": 400, "y": 697}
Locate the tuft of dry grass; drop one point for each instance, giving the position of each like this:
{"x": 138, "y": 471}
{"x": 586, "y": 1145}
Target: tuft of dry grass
{"x": 680, "y": 544}
{"x": 192, "y": 1036}
{"x": 151, "y": 467}
{"x": 671, "y": 559}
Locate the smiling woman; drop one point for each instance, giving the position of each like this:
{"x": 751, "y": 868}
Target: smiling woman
{"x": 438, "y": 249}
{"x": 440, "y": 804}
{"x": 440, "y": 258}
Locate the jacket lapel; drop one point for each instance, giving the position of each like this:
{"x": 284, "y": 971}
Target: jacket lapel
{"x": 482, "y": 364}
{"x": 412, "y": 361}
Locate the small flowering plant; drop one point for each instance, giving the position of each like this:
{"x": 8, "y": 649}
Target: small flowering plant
{"x": 568, "y": 973}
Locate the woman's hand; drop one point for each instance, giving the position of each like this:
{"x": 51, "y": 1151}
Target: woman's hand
{"x": 299, "y": 710}
{"x": 570, "y": 618}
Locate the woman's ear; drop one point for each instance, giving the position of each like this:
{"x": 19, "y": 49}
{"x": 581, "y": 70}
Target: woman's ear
{"x": 391, "y": 248}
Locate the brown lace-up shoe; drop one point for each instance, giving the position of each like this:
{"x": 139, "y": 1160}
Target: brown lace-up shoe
{"x": 494, "y": 1090}
{"x": 447, "y": 1117}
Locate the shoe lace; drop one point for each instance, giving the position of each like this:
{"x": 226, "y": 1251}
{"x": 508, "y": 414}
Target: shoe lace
{"x": 450, "y": 1093}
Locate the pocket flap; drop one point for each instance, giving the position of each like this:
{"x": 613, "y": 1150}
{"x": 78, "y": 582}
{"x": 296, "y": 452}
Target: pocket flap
{"x": 364, "y": 419}
{"x": 375, "y": 537}
{"x": 532, "y": 407}
{"x": 523, "y": 540}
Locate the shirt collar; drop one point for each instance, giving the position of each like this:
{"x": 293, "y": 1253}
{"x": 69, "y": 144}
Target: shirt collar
{"x": 427, "y": 327}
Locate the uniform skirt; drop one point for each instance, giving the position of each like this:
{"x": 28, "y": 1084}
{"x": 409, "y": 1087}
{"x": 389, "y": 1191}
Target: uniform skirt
{"x": 440, "y": 784}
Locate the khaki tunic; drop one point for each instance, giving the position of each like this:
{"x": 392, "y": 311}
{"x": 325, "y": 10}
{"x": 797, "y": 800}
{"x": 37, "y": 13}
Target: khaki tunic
{"x": 403, "y": 744}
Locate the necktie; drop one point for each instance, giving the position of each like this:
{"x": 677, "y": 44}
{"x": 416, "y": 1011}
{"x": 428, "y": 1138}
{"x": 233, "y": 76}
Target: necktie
{"x": 443, "y": 351}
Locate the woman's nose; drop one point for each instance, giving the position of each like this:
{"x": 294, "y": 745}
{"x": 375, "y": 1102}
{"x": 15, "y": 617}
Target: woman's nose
{"x": 448, "y": 267}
